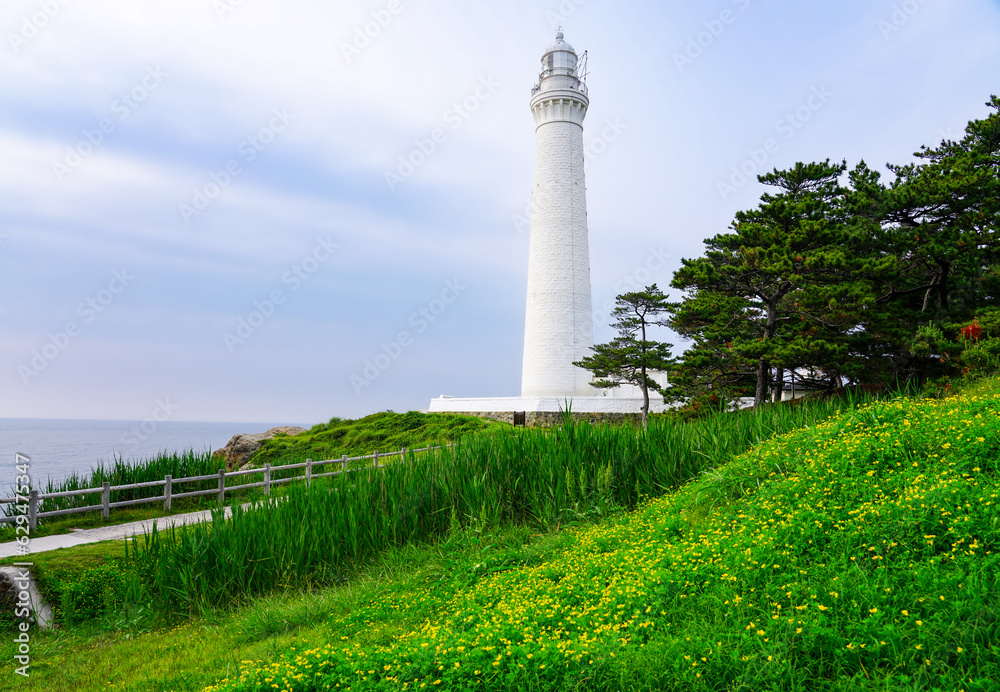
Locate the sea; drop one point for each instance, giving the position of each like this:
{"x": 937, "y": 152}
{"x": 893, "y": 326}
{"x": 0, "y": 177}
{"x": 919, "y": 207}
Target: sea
{"x": 58, "y": 448}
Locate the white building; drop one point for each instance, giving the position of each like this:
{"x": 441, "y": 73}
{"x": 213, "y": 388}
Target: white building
{"x": 559, "y": 319}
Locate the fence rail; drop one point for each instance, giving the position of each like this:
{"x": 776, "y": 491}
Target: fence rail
{"x": 29, "y": 504}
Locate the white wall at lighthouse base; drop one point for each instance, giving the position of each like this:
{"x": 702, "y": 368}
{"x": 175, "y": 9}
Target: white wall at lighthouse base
{"x": 579, "y": 404}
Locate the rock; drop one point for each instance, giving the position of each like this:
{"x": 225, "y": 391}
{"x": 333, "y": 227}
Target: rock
{"x": 18, "y": 589}
{"x": 238, "y": 450}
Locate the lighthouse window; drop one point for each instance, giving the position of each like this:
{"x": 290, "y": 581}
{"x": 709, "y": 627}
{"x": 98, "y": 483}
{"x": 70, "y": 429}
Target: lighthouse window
{"x": 552, "y": 60}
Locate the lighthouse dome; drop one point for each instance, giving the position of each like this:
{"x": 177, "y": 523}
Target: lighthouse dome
{"x": 559, "y": 68}
{"x": 560, "y": 44}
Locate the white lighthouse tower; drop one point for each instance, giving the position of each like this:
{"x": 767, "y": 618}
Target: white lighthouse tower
{"x": 559, "y": 323}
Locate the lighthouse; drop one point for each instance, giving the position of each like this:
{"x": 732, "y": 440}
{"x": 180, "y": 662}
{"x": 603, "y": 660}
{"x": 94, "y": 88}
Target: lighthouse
{"x": 559, "y": 326}
{"x": 559, "y": 321}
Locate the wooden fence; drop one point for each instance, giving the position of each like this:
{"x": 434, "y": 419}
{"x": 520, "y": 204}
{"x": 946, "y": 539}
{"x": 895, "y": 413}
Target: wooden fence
{"x": 33, "y": 500}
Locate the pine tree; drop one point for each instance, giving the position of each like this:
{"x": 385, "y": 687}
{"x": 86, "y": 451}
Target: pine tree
{"x": 632, "y": 356}
{"x": 780, "y": 259}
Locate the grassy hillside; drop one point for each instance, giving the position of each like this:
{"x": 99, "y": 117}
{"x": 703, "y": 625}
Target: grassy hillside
{"x": 110, "y": 640}
{"x": 380, "y": 432}
{"x": 857, "y": 554}
{"x": 539, "y": 478}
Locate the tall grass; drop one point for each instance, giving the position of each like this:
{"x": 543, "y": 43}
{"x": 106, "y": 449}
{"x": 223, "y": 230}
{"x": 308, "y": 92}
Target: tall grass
{"x": 530, "y": 476}
{"x": 122, "y": 471}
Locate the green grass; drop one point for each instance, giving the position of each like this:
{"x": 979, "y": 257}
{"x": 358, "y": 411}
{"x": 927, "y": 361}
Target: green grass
{"x": 861, "y": 553}
{"x": 124, "y": 650}
{"x": 382, "y": 432}
{"x": 508, "y": 476}
{"x": 461, "y": 552}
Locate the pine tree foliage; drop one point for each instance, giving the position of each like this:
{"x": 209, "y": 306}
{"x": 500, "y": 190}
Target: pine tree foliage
{"x": 838, "y": 277}
{"x": 632, "y": 357}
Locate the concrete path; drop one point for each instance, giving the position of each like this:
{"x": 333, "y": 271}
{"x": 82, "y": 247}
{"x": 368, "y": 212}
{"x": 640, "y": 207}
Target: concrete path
{"x": 103, "y": 533}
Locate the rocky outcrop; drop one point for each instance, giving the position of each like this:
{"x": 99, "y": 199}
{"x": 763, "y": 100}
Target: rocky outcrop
{"x": 238, "y": 450}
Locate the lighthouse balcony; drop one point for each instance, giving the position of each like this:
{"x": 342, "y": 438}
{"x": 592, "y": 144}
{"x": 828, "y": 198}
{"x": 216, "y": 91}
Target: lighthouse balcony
{"x": 560, "y": 106}
{"x": 582, "y": 88}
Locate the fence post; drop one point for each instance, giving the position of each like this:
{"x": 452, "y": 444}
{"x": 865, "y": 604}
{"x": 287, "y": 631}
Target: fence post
{"x": 343, "y": 463}
{"x": 402, "y": 454}
{"x": 267, "y": 480}
{"x": 222, "y": 486}
{"x": 106, "y": 499}
{"x": 376, "y": 460}
{"x": 33, "y": 509}
{"x": 309, "y": 471}
{"x": 168, "y": 492}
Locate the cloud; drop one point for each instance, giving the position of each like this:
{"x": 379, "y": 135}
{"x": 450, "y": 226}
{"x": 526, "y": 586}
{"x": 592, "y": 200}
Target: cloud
{"x": 224, "y": 76}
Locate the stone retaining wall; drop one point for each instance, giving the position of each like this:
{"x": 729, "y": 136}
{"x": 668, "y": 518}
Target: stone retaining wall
{"x": 549, "y": 419}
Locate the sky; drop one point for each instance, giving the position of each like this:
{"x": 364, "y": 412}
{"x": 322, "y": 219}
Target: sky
{"x": 242, "y": 210}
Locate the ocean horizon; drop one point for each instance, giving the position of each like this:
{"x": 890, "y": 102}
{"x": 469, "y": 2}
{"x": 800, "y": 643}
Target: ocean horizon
{"x": 58, "y": 448}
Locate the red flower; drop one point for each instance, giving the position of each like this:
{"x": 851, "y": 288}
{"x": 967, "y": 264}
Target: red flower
{"x": 973, "y": 331}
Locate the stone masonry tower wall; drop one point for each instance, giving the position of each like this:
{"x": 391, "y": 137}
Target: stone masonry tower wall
{"x": 559, "y": 327}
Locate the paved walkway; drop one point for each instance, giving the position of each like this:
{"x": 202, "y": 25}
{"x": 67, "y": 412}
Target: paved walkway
{"x": 103, "y": 533}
